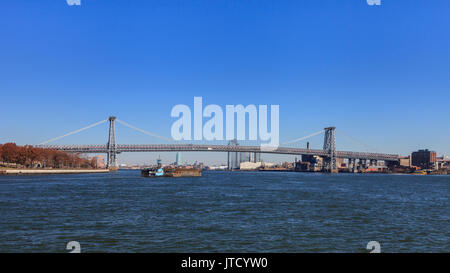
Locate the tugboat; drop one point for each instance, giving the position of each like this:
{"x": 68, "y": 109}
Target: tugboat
{"x": 160, "y": 171}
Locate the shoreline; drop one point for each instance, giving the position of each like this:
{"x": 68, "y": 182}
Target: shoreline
{"x": 359, "y": 173}
{"x": 50, "y": 171}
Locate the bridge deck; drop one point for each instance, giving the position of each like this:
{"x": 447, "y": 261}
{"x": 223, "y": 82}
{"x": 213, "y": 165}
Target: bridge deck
{"x": 120, "y": 148}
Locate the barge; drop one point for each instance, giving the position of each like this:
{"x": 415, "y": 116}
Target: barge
{"x": 160, "y": 171}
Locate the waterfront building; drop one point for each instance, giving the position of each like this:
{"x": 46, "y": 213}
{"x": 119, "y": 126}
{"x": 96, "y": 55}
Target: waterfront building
{"x": 100, "y": 161}
{"x": 405, "y": 162}
{"x": 245, "y": 157}
{"x": 256, "y": 157}
{"x": 178, "y": 159}
{"x": 250, "y": 165}
{"x": 315, "y": 163}
{"x": 250, "y": 157}
{"x": 302, "y": 166}
{"x": 443, "y": 162}
{"x": 341, "y": 163}
{"x": 221, "y": 167}
{"x": 424, "y": 159}
{"x": 233, "y": 157}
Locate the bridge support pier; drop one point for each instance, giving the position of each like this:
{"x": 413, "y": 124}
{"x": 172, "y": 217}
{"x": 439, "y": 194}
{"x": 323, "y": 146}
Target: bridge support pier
{"x": 351, "y": 165}
{"x": 363, "y": 164}
{"x": 329, "y": 145}
{"x": 111, "y": 145}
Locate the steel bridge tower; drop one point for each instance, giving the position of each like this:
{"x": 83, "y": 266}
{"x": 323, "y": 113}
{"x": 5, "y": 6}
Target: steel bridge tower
{"x": 111, "y": 146}
{"x": 329, "y": 145}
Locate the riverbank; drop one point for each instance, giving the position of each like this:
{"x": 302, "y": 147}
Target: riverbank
{"x": 49, "y": 171}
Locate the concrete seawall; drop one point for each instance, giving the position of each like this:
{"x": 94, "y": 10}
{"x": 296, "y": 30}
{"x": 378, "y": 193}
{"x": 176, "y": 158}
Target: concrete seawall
{"x": 49, "y": 171}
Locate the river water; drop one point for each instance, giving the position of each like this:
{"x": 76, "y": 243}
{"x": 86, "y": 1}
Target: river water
{"x": 225, "y": 212}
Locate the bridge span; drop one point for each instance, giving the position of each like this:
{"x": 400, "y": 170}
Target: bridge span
{"x": 121, "y": 148}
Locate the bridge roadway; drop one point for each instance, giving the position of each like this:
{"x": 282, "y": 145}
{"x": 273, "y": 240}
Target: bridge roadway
{"x": 120, "y": 148}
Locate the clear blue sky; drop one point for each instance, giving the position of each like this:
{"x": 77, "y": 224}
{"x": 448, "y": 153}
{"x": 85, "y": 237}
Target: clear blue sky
{"x": 380, "y": 74}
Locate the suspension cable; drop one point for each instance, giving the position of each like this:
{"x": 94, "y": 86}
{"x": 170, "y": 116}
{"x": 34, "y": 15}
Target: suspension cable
{"x": 73, "y": 132}
{"x": 367, "y": 147}
{"x": 303, "y": 138}
{"x": 143, "y": 131}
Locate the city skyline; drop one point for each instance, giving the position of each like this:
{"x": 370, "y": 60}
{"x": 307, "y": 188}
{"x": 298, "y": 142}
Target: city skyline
{"x": 378, "y": 73}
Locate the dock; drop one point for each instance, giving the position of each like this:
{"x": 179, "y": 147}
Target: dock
{"x": 49, "y": 171}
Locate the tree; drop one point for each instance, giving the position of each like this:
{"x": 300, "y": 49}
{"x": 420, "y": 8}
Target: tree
{"x": 28, "y": 156}
{"x": 10, "y": 152}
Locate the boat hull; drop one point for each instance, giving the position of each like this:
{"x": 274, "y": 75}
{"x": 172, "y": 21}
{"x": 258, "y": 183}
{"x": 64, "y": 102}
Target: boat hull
{"x": 172, "y": 172}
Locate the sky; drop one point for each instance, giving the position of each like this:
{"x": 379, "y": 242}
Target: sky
{"x": 380, "y": 74}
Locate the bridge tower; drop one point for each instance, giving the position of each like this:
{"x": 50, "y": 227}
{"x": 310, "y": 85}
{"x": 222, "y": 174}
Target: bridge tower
{"x": 111, "y": 146}
{"x": 329, "y": 145}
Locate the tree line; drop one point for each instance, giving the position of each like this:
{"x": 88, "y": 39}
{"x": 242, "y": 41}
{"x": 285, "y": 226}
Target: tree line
{"x": 30, "y": 157}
